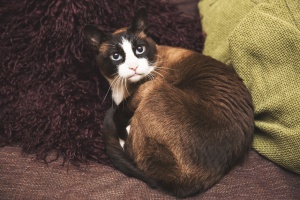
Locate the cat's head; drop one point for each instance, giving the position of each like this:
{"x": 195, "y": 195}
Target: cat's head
{"x": 127, "y": 53}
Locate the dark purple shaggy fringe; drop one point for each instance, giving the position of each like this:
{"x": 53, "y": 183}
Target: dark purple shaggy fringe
{"x": 51, "y": 94}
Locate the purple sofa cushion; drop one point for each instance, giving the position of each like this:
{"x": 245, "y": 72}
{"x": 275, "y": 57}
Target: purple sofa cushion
{"x": 52, "y": 95}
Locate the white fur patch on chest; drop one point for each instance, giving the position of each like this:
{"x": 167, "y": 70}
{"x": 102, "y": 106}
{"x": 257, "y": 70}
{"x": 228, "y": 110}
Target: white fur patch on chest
{"x": 119, "y": 92}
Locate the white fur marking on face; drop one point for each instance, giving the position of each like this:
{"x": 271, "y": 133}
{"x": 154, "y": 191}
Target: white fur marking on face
{"x": 133, "y": 69}
{"x": 131, "y": 59}
{"x": 141, "y": 65}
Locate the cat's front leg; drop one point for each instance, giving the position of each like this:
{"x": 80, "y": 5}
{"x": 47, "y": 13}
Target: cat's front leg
{"x": 113, "y": 130}
{"x": 122, "y": 118}
{"x": 109, "y": 128}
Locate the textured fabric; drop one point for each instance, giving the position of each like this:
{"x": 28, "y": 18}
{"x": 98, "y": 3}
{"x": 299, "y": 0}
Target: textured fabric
{"x": 22, "y": 178}
{"x": 52, "y": 96}
{"x": 261, "y": 39}
{"x": 219, "y": 20}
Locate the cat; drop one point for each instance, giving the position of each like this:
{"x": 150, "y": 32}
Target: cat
{"x": 191, "y": 117}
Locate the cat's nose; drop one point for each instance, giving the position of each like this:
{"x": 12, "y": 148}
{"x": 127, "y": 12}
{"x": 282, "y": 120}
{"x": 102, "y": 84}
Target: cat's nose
{"x": 133, "y": 67}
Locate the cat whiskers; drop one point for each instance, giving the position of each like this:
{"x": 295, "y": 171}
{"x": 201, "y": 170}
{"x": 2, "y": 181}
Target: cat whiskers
{"x": 119, "y": 82}
{"x": 155, "y": 72}
{"x": 125, "y": 84}
{"x": 160, "y": 62}
{"x": 111, "y": 85}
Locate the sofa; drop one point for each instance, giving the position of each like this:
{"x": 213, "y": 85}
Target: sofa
{"x": 269, "y": 171}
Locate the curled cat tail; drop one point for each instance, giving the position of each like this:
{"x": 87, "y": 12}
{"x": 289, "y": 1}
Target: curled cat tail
{"x": 116, "y": 153}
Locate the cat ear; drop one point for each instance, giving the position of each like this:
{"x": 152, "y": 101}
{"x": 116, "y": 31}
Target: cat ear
{"x": 140, "y": 21}
{"x": 93, "y": 36}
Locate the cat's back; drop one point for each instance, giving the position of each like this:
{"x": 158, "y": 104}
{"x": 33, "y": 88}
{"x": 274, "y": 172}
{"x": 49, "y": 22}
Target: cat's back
{"x": 201, "y": 84}
{"x": 196, "y": 121}
{"x": 196, "y": 91}
{"x": 186, "y": 66}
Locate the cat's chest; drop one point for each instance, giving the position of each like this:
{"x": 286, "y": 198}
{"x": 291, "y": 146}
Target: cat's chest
{"x": 119, "y": 93}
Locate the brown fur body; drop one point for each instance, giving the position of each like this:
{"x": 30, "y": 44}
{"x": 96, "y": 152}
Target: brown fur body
{"x": 190, "y": 124}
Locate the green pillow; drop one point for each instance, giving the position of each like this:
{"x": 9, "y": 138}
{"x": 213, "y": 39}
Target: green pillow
{"x": 261, "y": 40}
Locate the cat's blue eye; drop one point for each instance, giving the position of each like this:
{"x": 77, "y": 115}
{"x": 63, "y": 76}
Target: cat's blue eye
{"x": 116, "y": 57}
{"x": 140, "y": 49}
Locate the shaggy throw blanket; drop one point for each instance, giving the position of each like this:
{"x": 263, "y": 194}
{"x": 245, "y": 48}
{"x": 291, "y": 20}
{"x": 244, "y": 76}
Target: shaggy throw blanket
{"x": 51, "y": 94}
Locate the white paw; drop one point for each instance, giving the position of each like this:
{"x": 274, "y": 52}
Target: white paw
{"x": 128, "y": 129}
{"x": 122, "y": 142}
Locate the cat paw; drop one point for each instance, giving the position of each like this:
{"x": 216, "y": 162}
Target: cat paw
{"x": 128, "y": 129}
{"x": 122, "y": 142}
